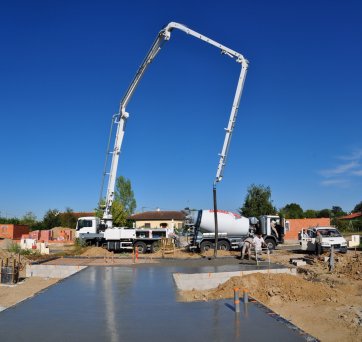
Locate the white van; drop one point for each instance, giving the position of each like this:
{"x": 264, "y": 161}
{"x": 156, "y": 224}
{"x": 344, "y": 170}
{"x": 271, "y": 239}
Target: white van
{"x": 330, "y": 236}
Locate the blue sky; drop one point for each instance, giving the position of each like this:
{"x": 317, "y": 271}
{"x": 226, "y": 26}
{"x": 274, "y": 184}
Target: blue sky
{"x": 65, "y": 65}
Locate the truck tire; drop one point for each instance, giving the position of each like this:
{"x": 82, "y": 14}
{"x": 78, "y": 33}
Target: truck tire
{"x": 206, "y": 246}
{"x": 223, "y": 245}
{"x": 271, "y": 244}
{"x": 156, "y": 246}
{"x": 141, "y": 247}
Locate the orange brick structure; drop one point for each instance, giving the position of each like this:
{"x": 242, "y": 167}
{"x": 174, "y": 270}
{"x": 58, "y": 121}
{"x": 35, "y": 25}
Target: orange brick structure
{"x": 62, "y": 234}
{"x": 13, "y": 231}
{"x": 296, "y": 225}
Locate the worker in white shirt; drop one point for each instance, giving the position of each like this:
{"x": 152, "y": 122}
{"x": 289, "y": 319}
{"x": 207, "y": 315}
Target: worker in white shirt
{"x": 258, "y": 243}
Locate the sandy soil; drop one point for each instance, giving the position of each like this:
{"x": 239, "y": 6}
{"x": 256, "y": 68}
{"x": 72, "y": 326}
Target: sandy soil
{"x": 26, "y": 287}
{"x": 177, "y": 253}
{"x": 13, "y": 294}
{"x": 326, "y": 305}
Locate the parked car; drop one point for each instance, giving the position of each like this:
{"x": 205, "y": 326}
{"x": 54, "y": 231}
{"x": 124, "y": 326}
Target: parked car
{"x": 330, "y": 236}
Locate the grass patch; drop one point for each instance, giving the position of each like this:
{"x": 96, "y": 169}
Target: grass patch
{"x": 15, "y": 248}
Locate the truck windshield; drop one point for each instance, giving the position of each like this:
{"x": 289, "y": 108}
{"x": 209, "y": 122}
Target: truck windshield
{"x": 330, "y": 233}
{"x": 84, "y": 223}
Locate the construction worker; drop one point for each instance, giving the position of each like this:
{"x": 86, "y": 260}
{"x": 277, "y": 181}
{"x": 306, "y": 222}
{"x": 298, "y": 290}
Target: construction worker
{"x": 258, "y": 243}
{"x": 318, "y": 243}
{"x": 305, "y": 233}
{"x": 274, "y": 229}
{"x": 248, "y": 242}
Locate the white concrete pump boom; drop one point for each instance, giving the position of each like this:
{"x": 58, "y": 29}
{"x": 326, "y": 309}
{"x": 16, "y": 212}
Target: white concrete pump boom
{"x": 122, "y": 116}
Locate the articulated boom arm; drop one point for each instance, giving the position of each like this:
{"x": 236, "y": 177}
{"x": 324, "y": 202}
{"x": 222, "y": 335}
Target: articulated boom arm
{"x": 122, "y": 116}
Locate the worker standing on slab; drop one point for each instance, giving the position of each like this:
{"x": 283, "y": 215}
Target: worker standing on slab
{"x": 258, "y": 243}
{"x": 318, "y": 244}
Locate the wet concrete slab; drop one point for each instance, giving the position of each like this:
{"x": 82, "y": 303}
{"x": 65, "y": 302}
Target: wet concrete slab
{"x": 134, "y": 304}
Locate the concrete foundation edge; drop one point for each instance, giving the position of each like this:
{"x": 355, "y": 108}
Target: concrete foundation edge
{"x": 208, "y": 281}
{"x": 52, "y": 271}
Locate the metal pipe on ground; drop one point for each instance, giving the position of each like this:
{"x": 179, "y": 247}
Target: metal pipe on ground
{"x": 245, "y": 296}
{"x": 236, "y": 300}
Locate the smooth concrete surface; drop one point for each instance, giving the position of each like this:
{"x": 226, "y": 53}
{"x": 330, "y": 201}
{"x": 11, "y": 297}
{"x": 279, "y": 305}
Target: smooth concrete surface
{"x": 207, "y": 281}
{"x": 134, "y": 304}
{"x": 52, "y": 271}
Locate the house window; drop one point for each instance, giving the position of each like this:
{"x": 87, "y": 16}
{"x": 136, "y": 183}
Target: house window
{"x": 147, "y": 225}
{"x": 163, "y": 225}
{"x": 179, "y": 225}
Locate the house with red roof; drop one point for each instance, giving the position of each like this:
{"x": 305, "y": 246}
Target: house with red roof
{"x": 352, "y": 216}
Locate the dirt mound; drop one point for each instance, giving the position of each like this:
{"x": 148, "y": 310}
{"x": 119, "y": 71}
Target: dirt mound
{"x": 176, "y": 254}
{"x": 273, "y": 288}
{"x": 350, "y": 265}
{"x": 96, "y": 252}
{"x": 5, "y": 243}
{"x": 220, "y": 253}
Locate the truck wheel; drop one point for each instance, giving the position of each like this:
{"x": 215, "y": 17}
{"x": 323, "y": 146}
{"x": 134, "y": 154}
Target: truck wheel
{"x": 223, "y": 246}
{"x": 156, "y": 246}
{"x": 206, "y": 246}
{"x": 271, "y": 244}
{"x": 140, "y": 247}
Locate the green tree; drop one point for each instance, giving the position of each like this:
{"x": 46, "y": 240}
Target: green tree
{"x": 119, "y": 215}
{"x": 68, "y": 219}
{"x": 310, "y": 213}
{"x": 124, "y": 203}
{"x": 124, "y": 194}
{"x": 100, "y": 209}
{"x": 51, "y": 219}
{"x": 292, "y": 211}
{"x": 30, "y": 220}
{"x": 357, "y": 208}
{"x": 324, "y": 213}
{"x": 337, "y": 211}
{"x": 257, "y": 202}
{"x": 11, "y": 220}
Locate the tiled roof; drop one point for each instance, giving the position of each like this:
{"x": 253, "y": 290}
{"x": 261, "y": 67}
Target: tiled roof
{"x": 83, "y": 214}
{"x": 351, "y": 216}
{"x": 159, "y": 215}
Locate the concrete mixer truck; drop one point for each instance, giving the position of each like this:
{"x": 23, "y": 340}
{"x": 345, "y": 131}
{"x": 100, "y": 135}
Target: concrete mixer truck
{"x": 233, "y": 229}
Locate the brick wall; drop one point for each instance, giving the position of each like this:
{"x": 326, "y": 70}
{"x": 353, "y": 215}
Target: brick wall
{"x": 13, "y": 231}
{"x": 296, "y": 225}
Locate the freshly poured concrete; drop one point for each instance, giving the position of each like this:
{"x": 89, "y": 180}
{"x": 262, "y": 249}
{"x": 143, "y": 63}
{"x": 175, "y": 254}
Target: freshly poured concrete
{"x": 133, "y": 304}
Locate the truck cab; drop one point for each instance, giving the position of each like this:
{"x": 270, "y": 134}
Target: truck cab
{"x": 330, "y": 237}
{"x": 272, "y": 228}
{"x": 88, "y": 230}
{"x": 89, "y": 224}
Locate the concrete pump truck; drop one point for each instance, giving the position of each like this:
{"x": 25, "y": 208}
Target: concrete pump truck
{"x": 102, "y": 231}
